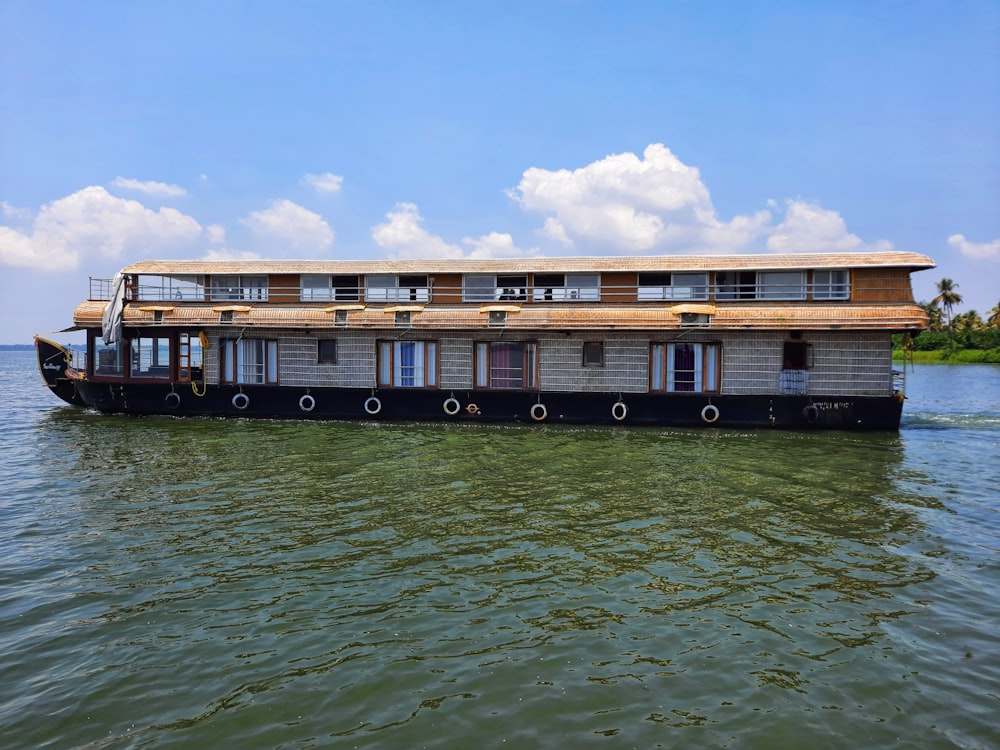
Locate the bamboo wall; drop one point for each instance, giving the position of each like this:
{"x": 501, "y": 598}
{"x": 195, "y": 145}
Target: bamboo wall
{"x": 843, "y": 363}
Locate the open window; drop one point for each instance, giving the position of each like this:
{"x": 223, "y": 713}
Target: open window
{"x": 407, "y": 364}
{"x": 685, "y": 367}
{"x": 249, "y": 361}
{"x": 506, "y": 365}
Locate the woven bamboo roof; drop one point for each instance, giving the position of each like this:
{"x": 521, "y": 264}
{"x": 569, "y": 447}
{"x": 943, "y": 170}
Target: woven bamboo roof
{"x": 596, "y": 264}
{"x": 538, "y": 317}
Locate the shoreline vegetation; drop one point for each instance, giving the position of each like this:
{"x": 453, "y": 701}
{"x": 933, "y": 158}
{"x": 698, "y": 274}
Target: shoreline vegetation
{"x": 964, "y": 338}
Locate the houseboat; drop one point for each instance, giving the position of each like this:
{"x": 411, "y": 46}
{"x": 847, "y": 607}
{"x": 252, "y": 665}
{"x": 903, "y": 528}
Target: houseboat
{"x": 784, "y": 341}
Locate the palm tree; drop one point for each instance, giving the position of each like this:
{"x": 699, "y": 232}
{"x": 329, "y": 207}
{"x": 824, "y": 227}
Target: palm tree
{"x": 935, "y": 322}
{"x": 968, "y": 321}
{"x": 947, "y": 297}
{"x": 994, "y": 319}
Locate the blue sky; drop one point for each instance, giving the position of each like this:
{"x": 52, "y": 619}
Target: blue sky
{"x": 491, "y": 129}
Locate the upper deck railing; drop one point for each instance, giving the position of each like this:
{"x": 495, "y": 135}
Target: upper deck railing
{"x": 101, "y": 289}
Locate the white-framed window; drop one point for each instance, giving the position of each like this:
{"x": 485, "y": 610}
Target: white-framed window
{"x": 685, "y": 367}
{"x": 741, "y": 285}
{"x": 328, "y": 288}
{"x": 234, "y": 288}
{"x": 567, "y": 287}
{"x": 249, "y": 361}
{"x": 491, "y": 288}
{"x": 149, "y": 357}
{"x": 407, "y": 364}
{"x": 832, "y": 285}
{"x": 670, "y": 286}
{"x": 506, "y": 365}
{"x": 401, "y": 288}
{"x": 179, "y": 287}
{"x": 781, "y": 285}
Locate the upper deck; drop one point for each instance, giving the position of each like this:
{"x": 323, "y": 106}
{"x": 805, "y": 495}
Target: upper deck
{"x": 843, "y": 290}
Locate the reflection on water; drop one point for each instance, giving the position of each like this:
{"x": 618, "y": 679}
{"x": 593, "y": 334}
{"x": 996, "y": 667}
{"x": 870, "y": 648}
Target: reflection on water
{"x": 266, "y": 584}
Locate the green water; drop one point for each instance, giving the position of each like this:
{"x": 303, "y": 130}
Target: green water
{"x": 201, "y": 583}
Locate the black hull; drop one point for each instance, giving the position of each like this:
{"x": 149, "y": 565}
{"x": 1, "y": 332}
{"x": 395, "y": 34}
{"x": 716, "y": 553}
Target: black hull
{"x": 654, "y": 410}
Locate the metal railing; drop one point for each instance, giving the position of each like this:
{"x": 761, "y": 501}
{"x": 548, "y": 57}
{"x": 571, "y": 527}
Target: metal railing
{"x": 102, "y": 289}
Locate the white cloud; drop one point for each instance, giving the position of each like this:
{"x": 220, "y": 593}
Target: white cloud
{"x": 403, "y": 235}
{"x": 809, "y": 228}
{"x": 290, "y": 222}
{"x": 324, "y": 183}
{"x": 977, "y": 250}
{"x": 627, "y": 204}
{"x": 161, "y": 189}
{"x": 13, "y": 212}
{"x": 494, "y": 245}
{"x": 230, "y": 254}
{"x": 554, "y": 229}
{"x": 93, "y": 223}
{"x": 215, "y": 234}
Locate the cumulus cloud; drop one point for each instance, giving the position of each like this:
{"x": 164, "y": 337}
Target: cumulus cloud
{"x": 628, "y": 204}
{"x": 324, "y": 183}
{"x": 404, "y": 236}
{"x": 976, "y": 250}
{"x": 493, "y": 245}
{"x": 291, "y": 223}
{"x": 809, "y": 228}
{"x": 656, "y": 203}
{"x": 93, "y": 223}
{"x": 159, "y": 189}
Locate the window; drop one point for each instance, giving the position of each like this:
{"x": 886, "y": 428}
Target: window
{"x": 684, "y": 367}
{"x": 733, "y": 285}
{"x": 794, "y": 379}
{"x": 781, "y": 285}
{"x": 180, "y": 288}
{"x": 149, "y": 357}
{"x": 567, "y": 287}
{"x": 403, "y": 288}
{"x": 227, "y": 288}
{"x": 190, "y": 356}
{"x": 329, "y": 288}
{"x": 831, "y": 284}
{"x": 666, "y": 286}
{"x": 503, "y": 287}
{"x": 593, "y": 354}
{"x": 108, "y": 358}
{"x": 249, "y": 361}
{"x": 407, "y": 364}
{"x": 326, "y": 352}
{"x": 505, "y": 364}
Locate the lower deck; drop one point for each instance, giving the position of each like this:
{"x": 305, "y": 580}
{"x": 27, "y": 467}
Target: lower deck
{"x": 838, "y": 379}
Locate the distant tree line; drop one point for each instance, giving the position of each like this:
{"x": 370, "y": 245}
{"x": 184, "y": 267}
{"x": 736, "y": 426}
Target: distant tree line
{"x": 951, "y": 333}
